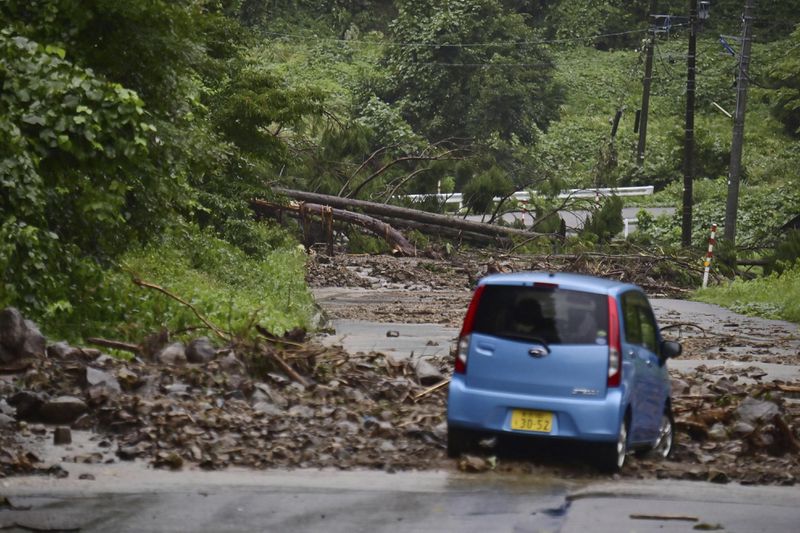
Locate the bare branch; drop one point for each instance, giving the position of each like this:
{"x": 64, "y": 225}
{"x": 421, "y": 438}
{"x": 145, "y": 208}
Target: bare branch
{"x": 390, "y": 164}
{"x": 403, "y": 182}
{"x": 141, "y": 283}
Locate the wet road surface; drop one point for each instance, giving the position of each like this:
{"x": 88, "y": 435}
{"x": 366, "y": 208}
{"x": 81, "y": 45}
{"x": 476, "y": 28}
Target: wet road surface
{"x": 132, "y": 498}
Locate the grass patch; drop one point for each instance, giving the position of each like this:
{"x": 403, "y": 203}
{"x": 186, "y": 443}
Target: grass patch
{"x": 775, "y": 296}
{"x": 230, "y": 288}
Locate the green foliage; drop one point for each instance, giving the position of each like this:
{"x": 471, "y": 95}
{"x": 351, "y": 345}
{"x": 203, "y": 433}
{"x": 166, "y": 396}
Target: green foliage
{"x": 785, "y": 75}
{"x": 468, "y": 91}
{"x": 762, "y": 211}
{"x": 74, "y": 185}
{"x": 588, "y": 19}
{"x": 361, "y": 243}
{"x": 254, "y": 109}
{"x": 480, "y": 191}
{"x": 605, "y": 222}
{"x": 786, "y": 254}
{"x": 228, "y": 287}
{"x": 118, "y": 119}
{"x": 776, "y": 296}
{"x": 418, "y": 239}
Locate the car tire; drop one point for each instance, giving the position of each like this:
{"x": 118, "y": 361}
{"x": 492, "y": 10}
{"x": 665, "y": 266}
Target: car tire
{"x": 662, "y": 447}
{"x": 459, "y": 441}
{"x": 612, "y": 456}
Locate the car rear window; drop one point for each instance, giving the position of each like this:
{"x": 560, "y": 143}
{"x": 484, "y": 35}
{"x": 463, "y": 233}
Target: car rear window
{"x": 554, "y": 315}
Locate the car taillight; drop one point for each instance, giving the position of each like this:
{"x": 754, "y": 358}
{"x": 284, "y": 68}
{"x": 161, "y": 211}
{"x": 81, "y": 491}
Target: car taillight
{"x": 461, "y": 355}
{"x": 614, "y": 347}
{"x": 466, "y": 330}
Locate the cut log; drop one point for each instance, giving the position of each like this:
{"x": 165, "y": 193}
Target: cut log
{"x": 424, "y": 217}
{"x": 396, "y": 239}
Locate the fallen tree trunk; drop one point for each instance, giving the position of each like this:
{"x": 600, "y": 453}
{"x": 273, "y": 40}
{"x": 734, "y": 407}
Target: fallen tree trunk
{"x": 396, "y": 239}
{"x": 407, "y": 214}
{"x": 454, "y": 234}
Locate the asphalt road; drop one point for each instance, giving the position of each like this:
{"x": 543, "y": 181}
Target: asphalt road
{"x": 125, "y": 498}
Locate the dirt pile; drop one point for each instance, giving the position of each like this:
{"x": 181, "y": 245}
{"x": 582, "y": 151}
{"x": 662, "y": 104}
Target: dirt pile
{"x": 658, "y": 275}
{"x": 352, "y": 411}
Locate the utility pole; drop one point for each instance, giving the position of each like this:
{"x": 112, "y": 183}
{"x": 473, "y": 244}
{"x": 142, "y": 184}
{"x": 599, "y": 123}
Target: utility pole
{"x": 735, "y": 173}
{"x": 646, "y": 81}
{"x": 688, "y": 143}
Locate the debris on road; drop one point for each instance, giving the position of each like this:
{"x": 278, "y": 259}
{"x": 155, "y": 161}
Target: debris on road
{"x": 293, "y": 403}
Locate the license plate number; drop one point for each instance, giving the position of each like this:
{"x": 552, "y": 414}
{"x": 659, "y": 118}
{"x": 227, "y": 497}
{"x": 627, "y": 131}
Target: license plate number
{"x": 525, "y": 420}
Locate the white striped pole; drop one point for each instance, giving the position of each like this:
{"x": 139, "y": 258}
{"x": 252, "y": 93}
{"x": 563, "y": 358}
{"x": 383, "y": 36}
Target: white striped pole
{"x": 707, "y": 262}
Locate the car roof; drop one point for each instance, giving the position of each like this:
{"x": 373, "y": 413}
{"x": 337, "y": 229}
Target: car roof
{"x": 565, "y": 280}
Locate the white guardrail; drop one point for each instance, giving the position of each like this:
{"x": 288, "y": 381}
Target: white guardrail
{"x": 524, "y": 196}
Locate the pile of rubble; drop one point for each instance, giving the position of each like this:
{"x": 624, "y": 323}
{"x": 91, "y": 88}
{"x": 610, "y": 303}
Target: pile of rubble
{"x": 732, "y": 427}
{"x": 284, "y": 403}
{"x": 320, "y": 408}
{"x": 658, "y": 275}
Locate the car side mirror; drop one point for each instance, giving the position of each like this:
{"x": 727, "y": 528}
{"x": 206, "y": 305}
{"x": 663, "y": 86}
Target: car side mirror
{"x": 670, "y": 349}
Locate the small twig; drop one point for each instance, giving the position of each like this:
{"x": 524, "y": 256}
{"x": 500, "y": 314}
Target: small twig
{"x": 141, "y": 283}
{"x": 431, "y": 389}
{"x": 682, "y": 324}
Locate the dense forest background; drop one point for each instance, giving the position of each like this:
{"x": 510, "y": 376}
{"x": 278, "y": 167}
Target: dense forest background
{"x": 133, "y": 134}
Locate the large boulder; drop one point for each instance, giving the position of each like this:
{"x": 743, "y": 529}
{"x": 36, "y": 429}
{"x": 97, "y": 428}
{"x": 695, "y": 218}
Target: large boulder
{"x": 752, "y": 411}
{"x": 174, "y": 354}
{"x": 19, "y": 338}
{"x": 427, "y": 373}
{"x": 62, "y": 410}
{"x": 95, "y": 377}
{"x": 200, "y": 351}
{"x": 27, "y": 404}
{"x": 12, "y": 328}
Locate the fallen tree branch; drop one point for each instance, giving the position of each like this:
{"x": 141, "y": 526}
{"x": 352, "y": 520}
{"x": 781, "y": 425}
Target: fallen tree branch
{"x": 117, "y": 345}
{"x": 286, "y": 367}
{"x": 399, "y": 243}
{"x": 219, "y": 332}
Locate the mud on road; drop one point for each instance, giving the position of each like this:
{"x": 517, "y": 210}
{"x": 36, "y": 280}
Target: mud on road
{"x": 334, "y": 409}
{"x": 735, "y": 388}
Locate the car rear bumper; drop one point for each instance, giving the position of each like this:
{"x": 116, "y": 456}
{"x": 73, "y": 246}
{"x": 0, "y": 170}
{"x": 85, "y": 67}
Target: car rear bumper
{"x": 591, "y": 419}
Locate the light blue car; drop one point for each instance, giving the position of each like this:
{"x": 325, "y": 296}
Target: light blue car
{"x": 562, "y": 356}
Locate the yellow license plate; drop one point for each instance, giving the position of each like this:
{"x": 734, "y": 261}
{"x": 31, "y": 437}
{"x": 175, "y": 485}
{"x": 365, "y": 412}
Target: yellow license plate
{"x": 539, "y": 421}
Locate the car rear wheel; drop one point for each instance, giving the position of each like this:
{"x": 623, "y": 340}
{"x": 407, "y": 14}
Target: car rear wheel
{"x": 612, "y": 457}
{"x": 459, "y": 441}
{"x": 663, "y": 445}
